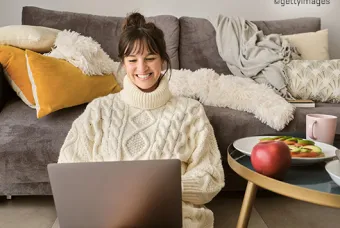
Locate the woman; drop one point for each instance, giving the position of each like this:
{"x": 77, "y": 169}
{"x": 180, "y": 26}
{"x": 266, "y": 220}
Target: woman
{"x": 144, "y": 121}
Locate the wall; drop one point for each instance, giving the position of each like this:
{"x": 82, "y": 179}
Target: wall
{"x": 10, "y": 11}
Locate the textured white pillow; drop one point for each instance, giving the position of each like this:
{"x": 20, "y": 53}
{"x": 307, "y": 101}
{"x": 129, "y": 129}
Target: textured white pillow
{"x": 317, "y": 80}
{"x": 35, "y": 38}
{"x": 311, "y": 45}
{"x": 83, "y": 52}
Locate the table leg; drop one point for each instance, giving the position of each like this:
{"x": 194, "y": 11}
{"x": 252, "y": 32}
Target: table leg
{"x": 247, "y": 205}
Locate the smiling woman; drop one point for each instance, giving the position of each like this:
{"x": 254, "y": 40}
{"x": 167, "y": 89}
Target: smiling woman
{"x": 143, "y": 69}
{"x": 145, "y": 121}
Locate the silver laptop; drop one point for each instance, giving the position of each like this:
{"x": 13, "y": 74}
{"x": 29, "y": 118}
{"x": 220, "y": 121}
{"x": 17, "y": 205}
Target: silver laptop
{"x": 121, "y": 194}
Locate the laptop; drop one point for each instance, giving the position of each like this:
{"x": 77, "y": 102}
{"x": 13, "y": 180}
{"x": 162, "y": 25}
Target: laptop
{"x": 118, "y": 194}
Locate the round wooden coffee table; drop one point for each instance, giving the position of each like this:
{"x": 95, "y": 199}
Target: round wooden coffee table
{"x": 307, "y": 183}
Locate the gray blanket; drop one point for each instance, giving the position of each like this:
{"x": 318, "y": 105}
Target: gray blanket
{"x": 249, "y": 53}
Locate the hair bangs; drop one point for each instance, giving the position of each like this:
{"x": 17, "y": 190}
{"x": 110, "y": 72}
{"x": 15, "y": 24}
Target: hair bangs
{"x": 137, "y": 44}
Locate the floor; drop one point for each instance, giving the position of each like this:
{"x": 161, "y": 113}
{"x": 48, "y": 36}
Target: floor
{"x": 270, "y": 211}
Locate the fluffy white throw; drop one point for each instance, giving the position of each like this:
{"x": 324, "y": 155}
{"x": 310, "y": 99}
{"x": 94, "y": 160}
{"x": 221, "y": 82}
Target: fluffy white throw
{"x": 229, "y": 91}
{"x": 83, "y": 52}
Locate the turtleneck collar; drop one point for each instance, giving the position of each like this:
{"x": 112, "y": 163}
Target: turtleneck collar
{"x": 135, "y": 97}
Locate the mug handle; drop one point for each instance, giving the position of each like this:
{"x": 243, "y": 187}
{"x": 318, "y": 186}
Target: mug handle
{"x": 311, "y": 130}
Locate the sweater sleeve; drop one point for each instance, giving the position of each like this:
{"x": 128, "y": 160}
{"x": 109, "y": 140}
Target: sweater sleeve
{"x": 204, "y": 176}
{"x": 79, "y": 144}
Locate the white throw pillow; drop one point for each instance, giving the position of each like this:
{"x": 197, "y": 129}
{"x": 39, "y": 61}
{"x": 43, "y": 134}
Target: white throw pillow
{"x": 311, "y": 45}
{"x": 83, "y": 52}
{"x": 35, "y": 38}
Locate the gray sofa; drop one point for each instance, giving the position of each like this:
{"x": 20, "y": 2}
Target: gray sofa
{"x": 28, "y": 144}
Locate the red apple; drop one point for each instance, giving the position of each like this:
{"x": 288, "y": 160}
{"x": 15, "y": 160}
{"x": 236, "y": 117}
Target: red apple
{"x": 271, "y": 158}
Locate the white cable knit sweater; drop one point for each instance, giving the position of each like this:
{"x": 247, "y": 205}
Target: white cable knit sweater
{"x": 133, "y": 125}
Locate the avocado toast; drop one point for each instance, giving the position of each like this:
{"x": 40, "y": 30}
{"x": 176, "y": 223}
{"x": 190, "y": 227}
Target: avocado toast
{"x": 298, "y": 147}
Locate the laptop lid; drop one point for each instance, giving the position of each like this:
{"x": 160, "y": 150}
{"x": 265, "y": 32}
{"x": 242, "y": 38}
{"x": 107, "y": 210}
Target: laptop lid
{"x": 143, "y": 193}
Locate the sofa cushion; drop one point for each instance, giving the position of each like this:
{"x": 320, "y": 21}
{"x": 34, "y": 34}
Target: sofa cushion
{"x": 317, "y": 80}
{"x": 290, "y": 26}
{"x": 28, "y": 144}
{"x": 311, "y": 45}
{"x": 104, "y": 29}
{"x": 35, "y": 38}
{"x": 198, "y": 40}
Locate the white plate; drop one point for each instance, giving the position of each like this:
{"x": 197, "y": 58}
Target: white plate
{"x": 245, "y": 145}
{"x": 333, "y": 169}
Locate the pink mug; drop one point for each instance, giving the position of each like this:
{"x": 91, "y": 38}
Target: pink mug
{"x": 321, "y": 128}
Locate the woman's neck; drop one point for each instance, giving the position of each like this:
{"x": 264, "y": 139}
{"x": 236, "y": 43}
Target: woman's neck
{"x": 151, "y": 99}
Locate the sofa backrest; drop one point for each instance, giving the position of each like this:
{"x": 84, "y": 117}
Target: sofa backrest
{"x": 104, "y": 29}
{"x": 191, "y": 41}
{"x": 197, "y": 42}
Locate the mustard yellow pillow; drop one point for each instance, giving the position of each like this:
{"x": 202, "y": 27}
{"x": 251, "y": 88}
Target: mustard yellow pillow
{"x": 14, "y": 62}
{"x": 57, "y": 84}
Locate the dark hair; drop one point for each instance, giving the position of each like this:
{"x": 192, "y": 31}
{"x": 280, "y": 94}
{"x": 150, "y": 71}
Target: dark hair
{"x": 136, "y": 30}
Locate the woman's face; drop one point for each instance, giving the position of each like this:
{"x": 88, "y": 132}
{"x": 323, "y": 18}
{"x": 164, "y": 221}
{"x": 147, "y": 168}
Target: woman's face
{"x": 143, "y": 69}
